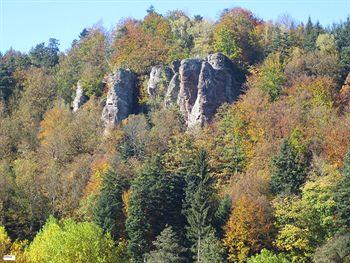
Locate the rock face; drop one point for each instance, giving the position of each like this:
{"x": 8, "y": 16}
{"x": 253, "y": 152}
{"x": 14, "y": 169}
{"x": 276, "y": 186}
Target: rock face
{"x": 172, "y": 91}
{"x": 189, "y": 72}
{"x": 159, "y": 76}
{"x": 120, "y": 98}
{"x": 199, "y": 87}
{"x": 80, "y": 98}
{"x": 219, "y": 82}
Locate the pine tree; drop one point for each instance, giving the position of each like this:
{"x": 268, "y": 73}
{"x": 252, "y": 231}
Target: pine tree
{"x": 311, "y": 33}
{"x": 6, "y": 82}
{"x": 167, "y": 249}
{"x": 342, "y": 195}
{"x": 211, "y": 249}
{"x": 109, "y": 211}
{"x": 290, "y": 170}
{"x": 199, "y": 207}
{"x": 222, "y": 214}
{"x": 155, "y": 202}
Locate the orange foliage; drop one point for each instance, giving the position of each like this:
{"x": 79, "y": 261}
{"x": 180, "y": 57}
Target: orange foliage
{"x": 248, "y": 229}
{"x": 94, "y": 184}
{"x": 142, "y": 46}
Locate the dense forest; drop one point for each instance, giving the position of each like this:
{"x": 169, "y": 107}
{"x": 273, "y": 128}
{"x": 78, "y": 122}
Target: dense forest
{"x": 266, "y": 179}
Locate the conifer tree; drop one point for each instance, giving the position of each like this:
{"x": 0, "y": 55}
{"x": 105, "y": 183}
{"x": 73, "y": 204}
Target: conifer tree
{"x": 211, "y": 249}
{"x": 290, "y": 169}
{"x": 167, "y": 249}
{"x": 109, "y": 211}
{"x": 342, "y": 195}
{"x": 155, "y": 202}
{"x": 199, "y": 205}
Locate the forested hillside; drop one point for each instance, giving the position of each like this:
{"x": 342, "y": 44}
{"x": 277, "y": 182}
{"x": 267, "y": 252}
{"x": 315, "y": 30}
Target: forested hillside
{"x": 179, "y": 139}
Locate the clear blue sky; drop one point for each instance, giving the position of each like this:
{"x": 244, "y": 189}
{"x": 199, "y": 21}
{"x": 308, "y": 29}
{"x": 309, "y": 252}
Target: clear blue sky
{"x": 24, "y": 23}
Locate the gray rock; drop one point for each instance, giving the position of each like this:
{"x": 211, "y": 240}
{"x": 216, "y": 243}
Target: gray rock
{"x": 204, "y": 87}
{"x": 211, "y": 94}
{"x": 189, "y": 75}
{"x": 172, "y": 91}
{"x": 80, "y": 98}
{"x": 159, "y": 79}
{"x": 120, "y": 98}
{"x": 228, "y": 74}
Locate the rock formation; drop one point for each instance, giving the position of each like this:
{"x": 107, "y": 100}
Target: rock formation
{"x": 80, "y": 98}
{"x": 172, "y": 91}
{"x": 160, "y": 76}
{"x": 120, "y": 98}
{"x": 199, "y": 87}
{"x": 219, "y": 82}
{"x": 189, "y": 75}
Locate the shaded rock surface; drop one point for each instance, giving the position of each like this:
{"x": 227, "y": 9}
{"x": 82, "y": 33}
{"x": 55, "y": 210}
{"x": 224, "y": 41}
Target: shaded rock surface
{"x": 80, "y": 98}
{"x": 159, "y": 79}
{"x": 172, "y": 91}
{"x": 189, "y": 76}
{"x": 120, "y": 98}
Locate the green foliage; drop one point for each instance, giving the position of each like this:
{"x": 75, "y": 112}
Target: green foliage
{"x": 199, "y": 204}
{"x": 235, "y": 35}
{"x": 341, "y": 34}
{"x": 202, "y": 32}
{"x": 211, "y": 249}
{"x": 155, "y": 201}
{"x": 167, "y": 248}
{"x": 290, "y": 169}
{"x": 305, "y": 223}
{"x": 45, "y": 56}
{"x": 268, "y": 256}
{"x": 109, "y": 213}
{"x": 71, "y": 242}
{"x": 343, "y": 193}
{"x": 282, "y": 43}
{"x": 272, "y": 77}
{"x": 181, "y": 25}
{"x": 222, "y": 214}
{"x": 335, "y": 250}
{"x": 86, "y": 62}
{"x": 311, "y": 33}
{"x": 224, "y": 41}
{"x": 5, "y": 242}
{"x": 6, "y": 82}
{"x": 325, "y": 43}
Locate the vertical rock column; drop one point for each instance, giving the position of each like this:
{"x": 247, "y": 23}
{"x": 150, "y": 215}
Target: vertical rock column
{"x": 120, "y": 98}
{"x": 80, "y": 97}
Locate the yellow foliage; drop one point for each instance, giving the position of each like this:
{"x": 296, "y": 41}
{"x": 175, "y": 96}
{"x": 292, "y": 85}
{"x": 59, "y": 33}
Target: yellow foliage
{"x": 292, "y": 238}
{"x": 94, "y": 185}
{"x": 5, "y": 242}
{"x": 247, "y": 230}
{"x": 16, "y": 248}
{"x": 126, "y": 197}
